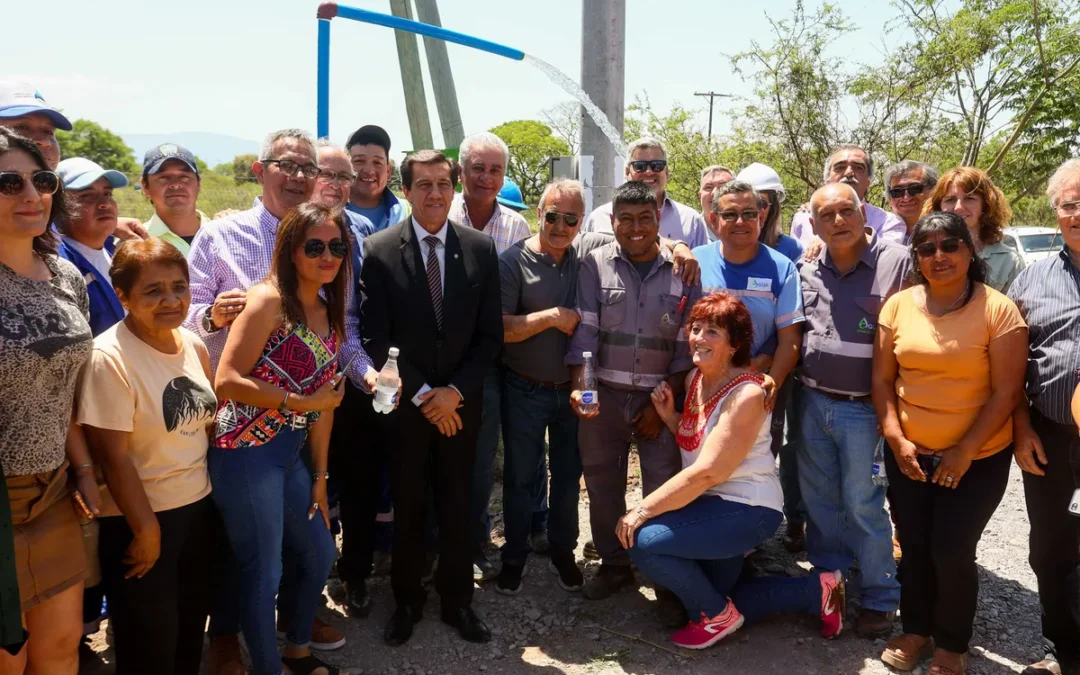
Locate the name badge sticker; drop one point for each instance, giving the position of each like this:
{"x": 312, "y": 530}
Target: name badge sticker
{"x": 758, "y": 284}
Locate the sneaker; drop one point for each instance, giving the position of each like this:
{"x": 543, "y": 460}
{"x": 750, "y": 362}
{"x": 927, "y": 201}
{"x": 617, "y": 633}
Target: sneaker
{"x": 795, "y": 536}
{"x": 608, "y": 580}
{"x": 483, "y": 569}
{"x": 570, "y": 576}
{"x": 590, "y": 552}
{"x": 325, "y": 637}
{"x": 873, "y": 623}
{"x": 833, "y": 599}
{"x": 225, "y": 657}
{"x": 707, "y": 632}
{"x": 539, "y": 542}
{"x": 509, "y": 580}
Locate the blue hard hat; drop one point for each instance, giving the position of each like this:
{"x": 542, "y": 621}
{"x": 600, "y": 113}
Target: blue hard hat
{"x": 510, "y": 196}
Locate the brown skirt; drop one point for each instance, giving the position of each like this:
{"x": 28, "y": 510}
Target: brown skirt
{"x": 49, "y": 555}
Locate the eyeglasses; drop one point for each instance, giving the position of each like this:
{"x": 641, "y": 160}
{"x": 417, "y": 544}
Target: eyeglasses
{"x": 1068, "y": 208}
{"x": 654, "y": 165}
{"x": 732, "y": 217}
{"x": 313, "y": 248}
{"x": 343, "y": 178}
{"x": 552, "y": 217}
{"x": 291, "y": 168}
{"x": 927, "y": 249}
{"x": 44, "y": 182}
{"x": 909, "y": 190}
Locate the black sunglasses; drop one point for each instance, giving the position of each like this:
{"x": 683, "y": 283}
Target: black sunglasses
{"x": 654, "y": 165}
{"x": 909, "y": 190}
{"x": 13, "y": 183}
{"x": 927, "y": 249}
{"x": 552, "y": 217}
{"x": 313, "y": 248}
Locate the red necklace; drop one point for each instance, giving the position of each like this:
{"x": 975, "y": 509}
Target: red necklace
{"x": 696, "y": 416}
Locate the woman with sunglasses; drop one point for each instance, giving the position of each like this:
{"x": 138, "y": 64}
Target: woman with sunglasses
{"x": 278, "y": 387}
{"x": 44, "y": 338}
{"x": 969, "y": 193}
{"x": 949, "y": 363}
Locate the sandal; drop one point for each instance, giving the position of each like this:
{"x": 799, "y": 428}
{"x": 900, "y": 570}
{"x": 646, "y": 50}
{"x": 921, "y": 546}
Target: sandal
{"x": 937, "y": 668}
{"x": 905, "y": 651}
{"x": 308, "y": 665}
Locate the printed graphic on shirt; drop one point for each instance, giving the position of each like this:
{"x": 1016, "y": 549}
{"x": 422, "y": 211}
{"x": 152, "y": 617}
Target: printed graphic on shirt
{"x": 44, "y": 334}
{"x": 758, "y": 284}
{"x": 184, "y": 401}
{"x": 866, "y": 326}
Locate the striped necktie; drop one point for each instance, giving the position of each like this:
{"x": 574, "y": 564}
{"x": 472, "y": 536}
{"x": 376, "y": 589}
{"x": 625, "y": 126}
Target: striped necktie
{"x": 434, "y": 278}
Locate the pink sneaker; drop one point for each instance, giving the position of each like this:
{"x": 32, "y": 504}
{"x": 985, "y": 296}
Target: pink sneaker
{"x": 707, "y": 632}
{"x": 833, "y": 604}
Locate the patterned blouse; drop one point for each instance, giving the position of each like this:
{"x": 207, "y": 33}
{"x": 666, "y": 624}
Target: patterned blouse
{"x": 299, "y": 361}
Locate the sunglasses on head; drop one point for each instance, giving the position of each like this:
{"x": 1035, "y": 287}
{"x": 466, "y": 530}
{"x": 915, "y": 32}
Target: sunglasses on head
{"x": 552, "y": 217}
{"x": 654, "y": 165}
{"x": 44, "y": 182}
{"x": 313, "y": 248}
{"x": 909, "y": 190}
{"x": 927, "y": 249}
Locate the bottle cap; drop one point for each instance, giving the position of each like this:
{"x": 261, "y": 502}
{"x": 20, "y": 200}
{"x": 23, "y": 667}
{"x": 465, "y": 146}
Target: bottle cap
{"x": 587, "y": 355}
{"x": 394, "y": 352}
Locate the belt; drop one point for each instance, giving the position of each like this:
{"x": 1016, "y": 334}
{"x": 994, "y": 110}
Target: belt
{"x": 842, "y": 397}
{"x": 541, "y": 383}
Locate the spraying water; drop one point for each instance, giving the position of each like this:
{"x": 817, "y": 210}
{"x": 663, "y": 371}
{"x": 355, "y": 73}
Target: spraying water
{"x": 570, "y": 87}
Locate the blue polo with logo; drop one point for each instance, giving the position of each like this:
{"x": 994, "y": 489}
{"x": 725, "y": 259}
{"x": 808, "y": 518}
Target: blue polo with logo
{"x": 842, "y": 315}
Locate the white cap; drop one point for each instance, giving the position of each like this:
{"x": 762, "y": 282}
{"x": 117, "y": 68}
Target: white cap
{"x": 79, "y": 173}
{"x": 19, "y": 98}
{"x": 763, "y": 178}
{"x": 587, "y": 355}
{"x": 394, "y": 352}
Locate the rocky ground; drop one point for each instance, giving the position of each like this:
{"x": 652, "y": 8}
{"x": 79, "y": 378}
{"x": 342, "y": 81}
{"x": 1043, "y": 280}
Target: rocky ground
{"x": 546, "y": 630}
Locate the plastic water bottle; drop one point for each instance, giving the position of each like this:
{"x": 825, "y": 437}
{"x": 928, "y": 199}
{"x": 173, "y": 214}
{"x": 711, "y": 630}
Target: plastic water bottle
{"x": 590, "y": 401}
{"x": 386, "y": 390}
{"x": 878, "y": 470}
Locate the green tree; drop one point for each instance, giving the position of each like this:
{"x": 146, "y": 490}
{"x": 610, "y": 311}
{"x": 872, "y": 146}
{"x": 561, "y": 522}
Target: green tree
{"x": 532, "y": 145}
{"x": 223, "y": 169}
{"x": 94, "y": 142}
{"x": 241, "y": 168}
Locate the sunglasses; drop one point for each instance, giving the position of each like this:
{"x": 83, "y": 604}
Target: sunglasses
{"x": 313, "y": 248}
{"x": 927, "y": 249}
{"x": 654, "y": 165}
{"x": 909, "y": 190}
{"x": 44, "y": 182}
{"x": 552, "y": 217}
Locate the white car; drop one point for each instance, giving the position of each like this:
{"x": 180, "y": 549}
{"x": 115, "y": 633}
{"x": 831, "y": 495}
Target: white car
{"x": 1033, "y": 243}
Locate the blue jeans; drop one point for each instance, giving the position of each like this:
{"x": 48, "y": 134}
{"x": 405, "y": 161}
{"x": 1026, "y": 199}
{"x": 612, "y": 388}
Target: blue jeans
{"x": 264, "y": 494}
{"x": 483, "y": 478}
{"x": 846, "y": 511}
{"x": 697, "y": 552}
{"x": 529, "y": 410}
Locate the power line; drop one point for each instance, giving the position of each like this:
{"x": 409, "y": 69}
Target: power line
{"x": 711, "y": 95}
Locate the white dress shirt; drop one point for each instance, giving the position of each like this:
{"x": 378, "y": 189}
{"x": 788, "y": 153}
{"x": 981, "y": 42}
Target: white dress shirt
{"x": 440, "y": 250}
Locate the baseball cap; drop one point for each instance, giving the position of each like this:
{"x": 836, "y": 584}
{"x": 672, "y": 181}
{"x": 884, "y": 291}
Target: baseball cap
{"x": 18, "y": 99}
{"x": 510, "y": 196}
{"x": 156, "y": 157}
{"x": 79, "y": 173}
{"x": 369, "y": 134}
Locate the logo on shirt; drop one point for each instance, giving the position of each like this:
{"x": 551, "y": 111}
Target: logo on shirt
{"x": 758, "y": 284}
{"x": 866, "y": 327}
{"x": 185, "y": 401}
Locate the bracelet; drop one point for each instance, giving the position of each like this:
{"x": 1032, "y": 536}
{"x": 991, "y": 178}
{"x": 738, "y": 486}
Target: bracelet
{"x": 316, "y": 475}
{"x": 285, "y": 401}
{"x": 84, "y": 466}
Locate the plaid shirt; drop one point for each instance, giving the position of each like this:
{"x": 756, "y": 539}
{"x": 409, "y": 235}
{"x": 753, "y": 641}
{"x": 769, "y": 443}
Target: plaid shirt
{"x": 235, "y": 252}
{"x": 506, "y": 227}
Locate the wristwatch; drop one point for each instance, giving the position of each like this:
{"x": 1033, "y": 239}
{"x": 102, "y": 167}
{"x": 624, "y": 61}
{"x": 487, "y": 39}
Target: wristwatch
{"x": 208, "y": 322}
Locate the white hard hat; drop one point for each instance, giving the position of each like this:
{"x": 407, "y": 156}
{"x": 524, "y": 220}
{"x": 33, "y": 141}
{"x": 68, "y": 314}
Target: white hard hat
{"x": 763, "y": 178}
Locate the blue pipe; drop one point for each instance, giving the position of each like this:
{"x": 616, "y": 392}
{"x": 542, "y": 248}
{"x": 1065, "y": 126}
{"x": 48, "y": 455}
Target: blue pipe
{"x": 323, "y": 96}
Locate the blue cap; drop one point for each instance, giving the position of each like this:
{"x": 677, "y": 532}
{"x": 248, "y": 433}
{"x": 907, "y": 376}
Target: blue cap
{"x": 510, "y": 196}
{"x": 19, "y": 99}
{"x": 79, "y": 173}
{"x": 156, "y": 157}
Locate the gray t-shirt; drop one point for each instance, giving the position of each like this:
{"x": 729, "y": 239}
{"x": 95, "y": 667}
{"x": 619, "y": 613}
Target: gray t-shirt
{"x": 532, "y": 282}
{"x": 44, "y": 338}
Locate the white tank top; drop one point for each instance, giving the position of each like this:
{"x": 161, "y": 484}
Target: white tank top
{"x": 755, "y": 481}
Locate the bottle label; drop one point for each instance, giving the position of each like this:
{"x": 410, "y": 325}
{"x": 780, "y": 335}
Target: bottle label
{"x": 588, "y": 397}
{"x": 877, "y": 469}
{"x": 386, "y": 397}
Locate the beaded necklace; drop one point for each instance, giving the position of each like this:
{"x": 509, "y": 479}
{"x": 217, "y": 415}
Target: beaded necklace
{"x": 696, "y": 415}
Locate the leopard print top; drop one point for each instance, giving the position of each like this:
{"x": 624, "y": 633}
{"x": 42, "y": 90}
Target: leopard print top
{"x": 44, "y": 340}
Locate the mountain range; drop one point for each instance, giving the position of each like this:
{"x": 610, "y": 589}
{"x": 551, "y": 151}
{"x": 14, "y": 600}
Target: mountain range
{"x": 209, "y": 147}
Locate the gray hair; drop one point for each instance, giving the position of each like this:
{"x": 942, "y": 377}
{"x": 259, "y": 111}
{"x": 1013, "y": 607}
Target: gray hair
{"x": 733, "y": 187}
{"x": 854, "y": 196}
{"x": 930, "y": 174}
{"x": 485, "y": 140}
{"x": 715, "y": 167}
{"x": 325, "y": 143}
{"x": 644, "y": 143}
{"x": 841, "y": 148}
{"x": 563, "y": 187}
{"x": 267, "y": 150}
{"x": 1070, "y": 170}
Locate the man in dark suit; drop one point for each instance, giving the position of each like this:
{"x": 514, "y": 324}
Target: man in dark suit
{"x": 432, "y": 291}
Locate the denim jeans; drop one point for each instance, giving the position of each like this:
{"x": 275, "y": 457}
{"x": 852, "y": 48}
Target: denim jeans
{"x": 697, "y": 552}
{"x": 264, "y": 494}
{"x": 529, "y": 410}
{"x": 847, "y": 519}
{"x": 483, "y": 478}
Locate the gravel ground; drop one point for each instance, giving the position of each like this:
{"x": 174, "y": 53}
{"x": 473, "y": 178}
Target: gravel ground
{"x": 546, "y": 630}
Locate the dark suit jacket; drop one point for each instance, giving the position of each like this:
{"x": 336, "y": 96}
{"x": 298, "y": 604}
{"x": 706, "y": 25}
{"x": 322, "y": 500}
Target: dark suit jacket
{"x": 397, "y": 309}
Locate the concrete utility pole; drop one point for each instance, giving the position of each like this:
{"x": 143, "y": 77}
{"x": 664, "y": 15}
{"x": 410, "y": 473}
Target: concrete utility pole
{"x": 711, "y": 95}
{"x": 442, "y": 78}
{"x": 603, "y": 61}
{"x": 412, "y": 80}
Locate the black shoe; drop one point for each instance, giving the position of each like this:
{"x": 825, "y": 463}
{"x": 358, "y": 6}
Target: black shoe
{"x": 509, "y": 581}
{"x": 469, "y": 625}
{"x": 400, "y": 626}
{"x": 795, "y": 537}
{"x": 539, "y": 542}
{"x": 669, "y": 609}
{"x": 608, "y": 580}
{"x": 589, "y": 552}
{"x": 357, "y": 600}
{"x": 483, "y": 569}
{"x": 570, "y": 577}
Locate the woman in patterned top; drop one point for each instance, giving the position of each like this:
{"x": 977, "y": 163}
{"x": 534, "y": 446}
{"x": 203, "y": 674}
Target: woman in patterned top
{"x": 44, "y": 338}
{"x": 277, "y": 386}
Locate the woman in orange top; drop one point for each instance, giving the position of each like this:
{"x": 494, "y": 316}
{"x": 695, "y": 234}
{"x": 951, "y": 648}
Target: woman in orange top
{"x": 949, "y": 363}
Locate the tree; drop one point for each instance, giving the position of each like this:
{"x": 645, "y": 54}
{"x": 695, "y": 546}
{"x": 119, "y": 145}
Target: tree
{"x": 531, "y": 147}
{"x": 565, "y": 122}
{"x": 94, "y": 142}
{"x": 223, "y": 169}
{"x": 241, "y": 168}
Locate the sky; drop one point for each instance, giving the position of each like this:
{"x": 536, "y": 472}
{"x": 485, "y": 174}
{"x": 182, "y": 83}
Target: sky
{"x": 246, "y": 67}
